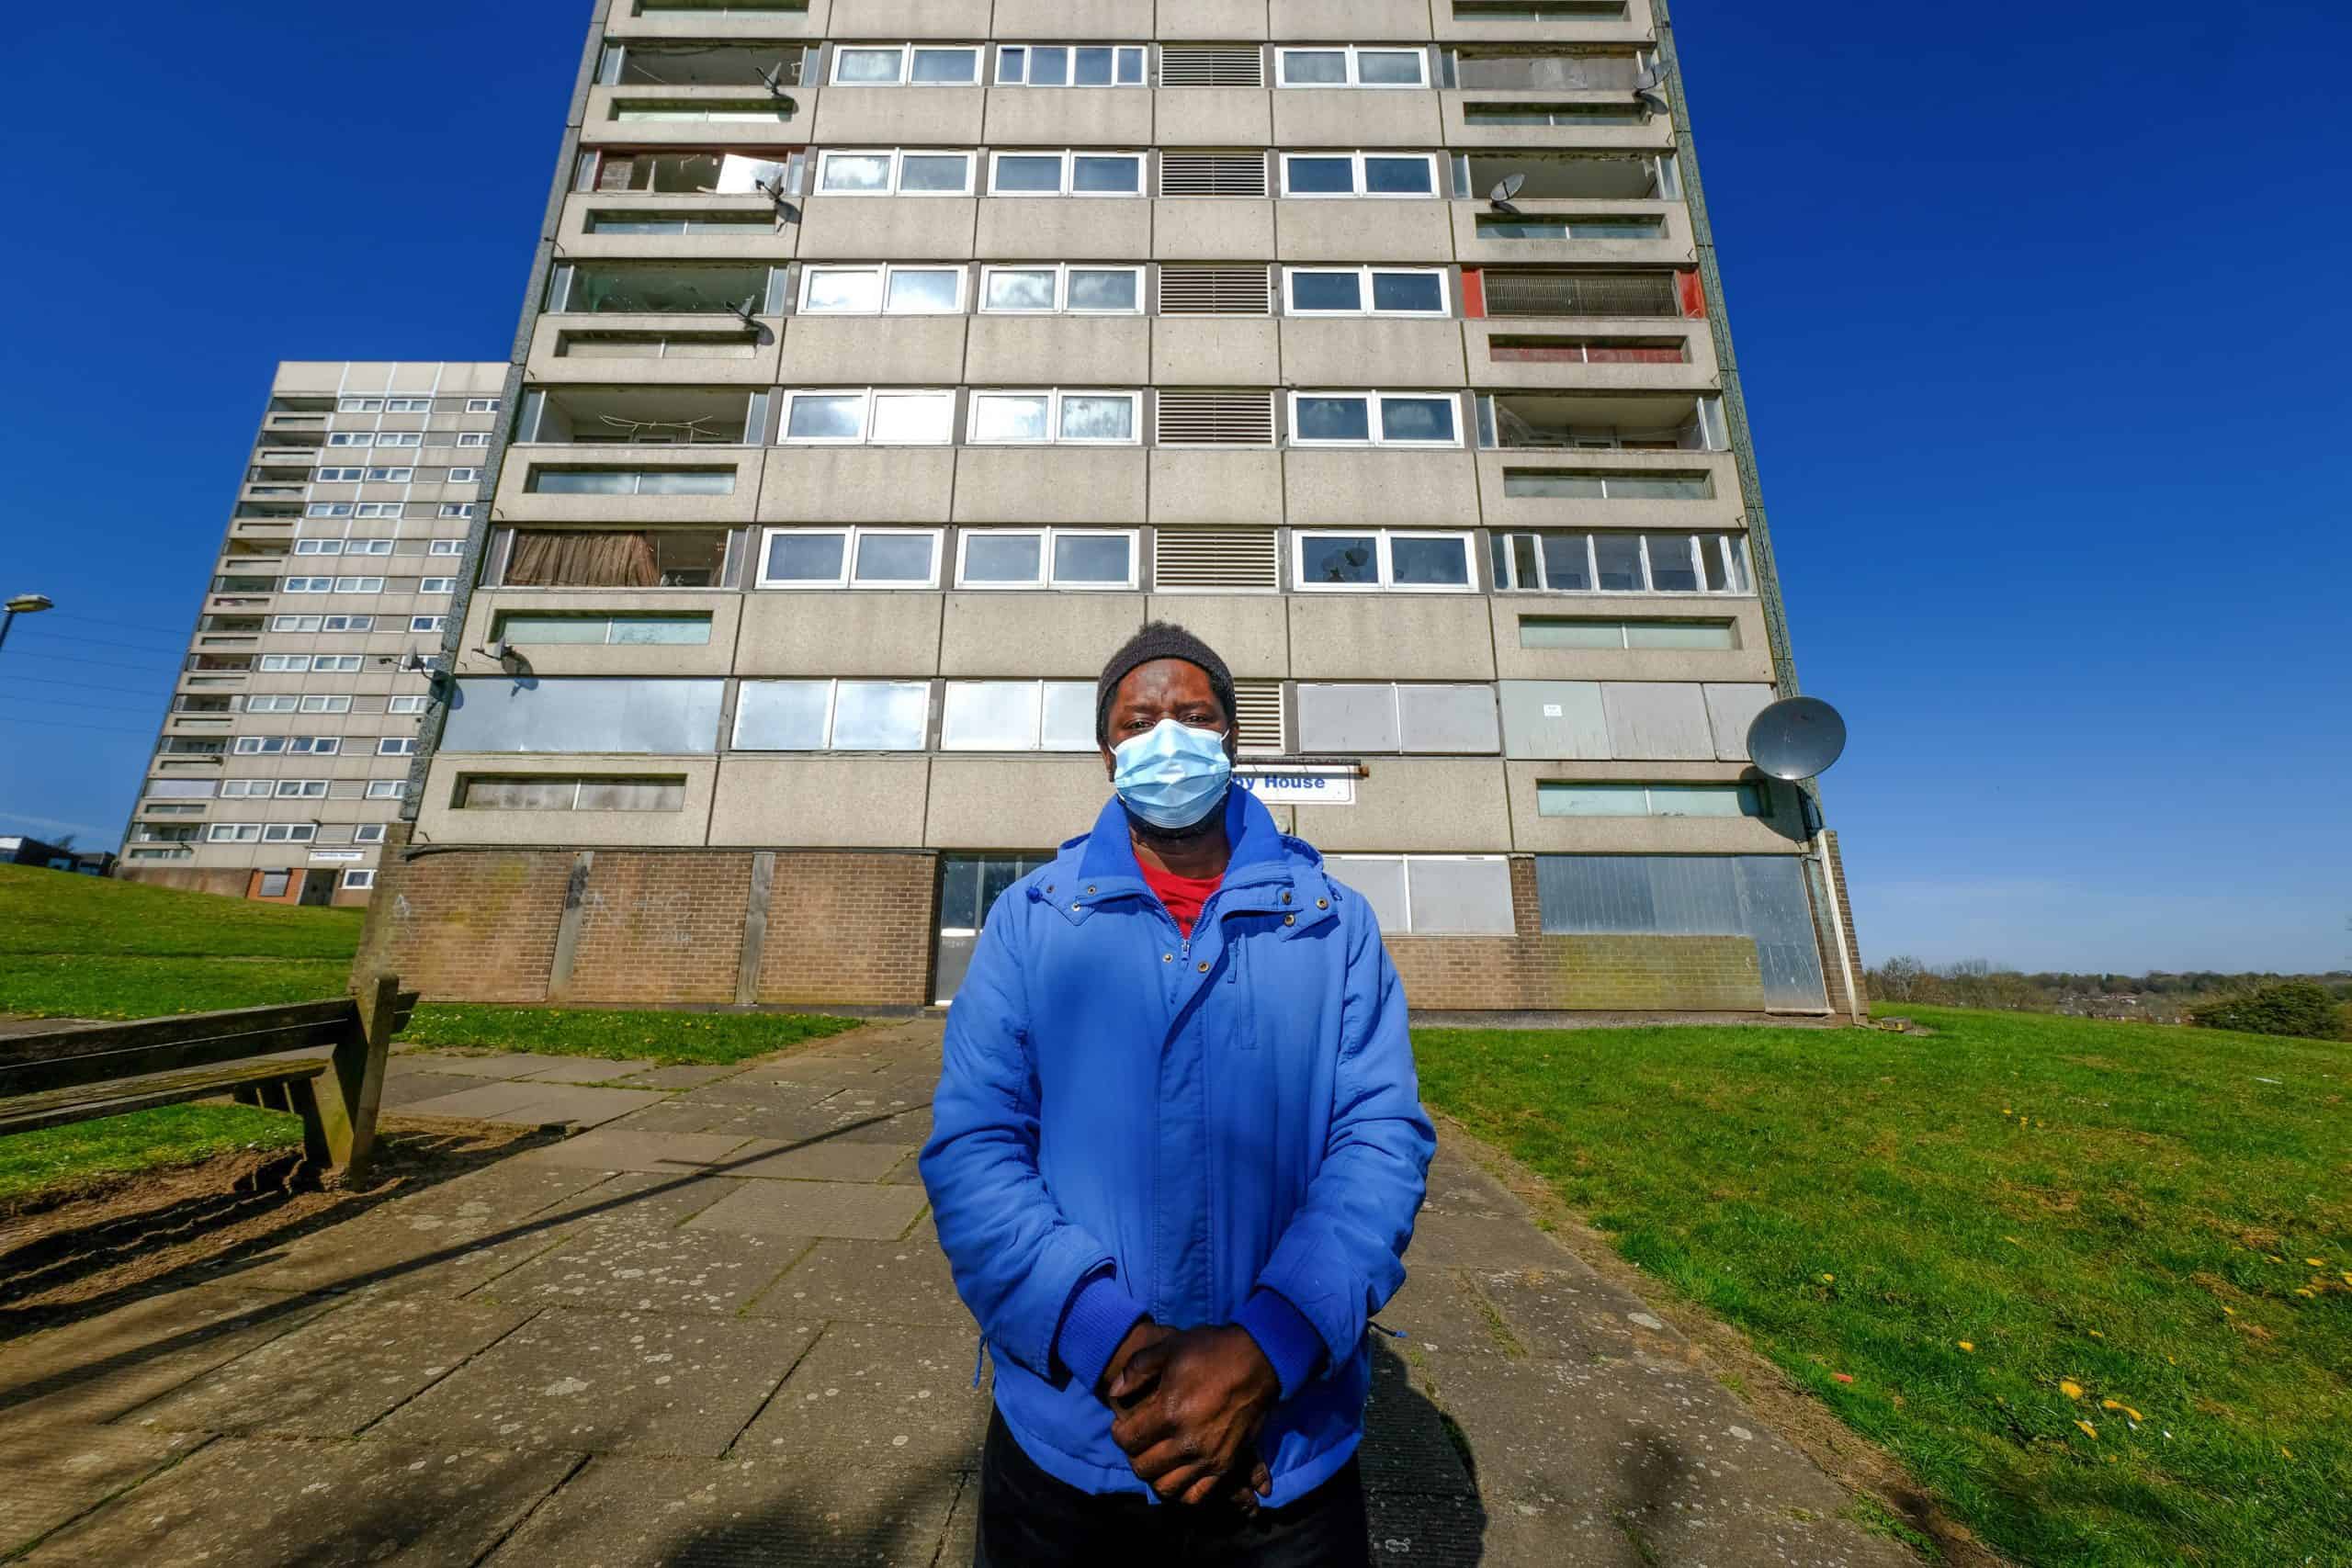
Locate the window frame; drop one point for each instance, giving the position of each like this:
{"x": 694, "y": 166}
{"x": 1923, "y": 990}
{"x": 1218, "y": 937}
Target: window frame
{"x": 833, "y": 684}
{"x": 1353, "y": 54}
{"x": 1730, "y": 547}
{"x": 851, "y": 534}
{"x": 1028, "y": 51}
{"x": 885, "y": 271}
{"x": 905, "y": 77}
{"x": 396, "y": 745}
{"x": 1036, "y": 746}
{"x": 359, "y": 879}
{"x": 898, "y": 156}
{"x": 867, "y": 397}
{"x": 1359, "y": 193}
{"x": 1752, "y": 797}
{"x": 1069, "y": 156}
{"x": 1444, "y": 312}
{"x": 1053, "y": 396}
{"x": 1061, "y": 271}
{"x": 1383, "y": 561}
{"x": 1375, "y": 422}
{"x": 1045, "y": 536}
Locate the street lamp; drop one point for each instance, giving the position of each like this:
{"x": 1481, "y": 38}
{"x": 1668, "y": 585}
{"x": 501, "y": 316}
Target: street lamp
{"x": 24, "y": 604}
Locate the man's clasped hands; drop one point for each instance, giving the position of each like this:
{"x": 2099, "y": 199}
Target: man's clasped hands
{"x": 1187, "y": 1407}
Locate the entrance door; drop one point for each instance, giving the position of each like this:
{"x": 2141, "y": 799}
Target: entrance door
{"x": 317, "y": 888}
{"x": 969, "y": 887}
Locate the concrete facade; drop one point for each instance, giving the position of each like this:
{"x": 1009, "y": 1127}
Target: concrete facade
{"x": 362, "y": 481}
{"x": 1461, "y": 491}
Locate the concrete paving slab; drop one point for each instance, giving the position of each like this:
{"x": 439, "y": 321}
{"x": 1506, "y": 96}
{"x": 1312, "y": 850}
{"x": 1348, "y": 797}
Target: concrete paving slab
{"x": 870, "y": 1281}
{"x": 1406, "y": 1441}
{"x": 1446, "y": 1323}
{"x": 402, "y": 1089}
{"x": 752, "y": 1090}
{"x": 633, "y": 1513}
{"x": 1419, "y": 1530}
{"x": 691, "y": 1115}
{"x": 272, "y": 1504}
{"x": 883, "y": 1397}
{"x": 685, "y": 1076}
{"x": 1469, "y": 1221}
{"x": 493, "y": 1064}
{"x": 101, "y": 1368}
{"x": 393, "y": 1255}
{"x": 532, "y": 1103}
{"x": 487, "y": 1099}
{"x": 827, "y": 1161}
{"x": 649, "y": 1269}
{"x": 815, "y": 1208}
{"x": 656, "y": 1201}
{"x": 622, "y": 1148}
{"x": 592, "y": 1069}
{"x": 330, "y": 1378}
{"x": 507, "y": 1192}
{"x": 682, "y": 1384}
{"x": 58, "y": 1472}
{"x": 1570, "y": 1315}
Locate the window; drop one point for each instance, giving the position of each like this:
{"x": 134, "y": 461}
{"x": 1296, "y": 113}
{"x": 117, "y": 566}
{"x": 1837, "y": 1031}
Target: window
{"x": 289, "y": 833}
{"x": 318, "y": 547}
{"x": 1215, "y": 560}
{"x": 391, "y": 476}
{"x": 446, "y": 547}
{"x": 285, "y": 663}
{"x": 301, "y": 789}
{"x": 1046, "y": 558}
{"x": 337, "y": 663}
{"x": 1539, "y": 10}
{"x": 327, "y": 508}
{"x": 386, "y": 789}
{"x": 481, "y": 405}
{"x": 1018, "y": 716}
{"x": 1431, "y": 895}
{"x": 1351, "y": 67}
{"x": 464, "y": 476}
{"x": 359, "y": 405}
{"x": 553, "y": 792}
{"x": 907, "y": 65}
{"x": 1375, "y": 419}
{"x": 471, "y": 438}
{"x": 1070, "y": 65}
{"x": 618, "y": 630}
{"x": 338, "y": 476}
{"x": 1076, "y": 290}
{"x": 882, "y": 290}
{"x": 368, "y": 834}
{"x": 1211, "y": 65}
{"x": 631, "y": 482}
{"x": 1650, "y": 800}
{"x": 428, "y": 623}
{"x": 1575, "y": 561}
{"x": 403, "y": 438}
{"x": 1359, "y": 174}
{"x": 271, "y": 703}
{"x": 405, "y": 704}
{"x": 179, "y": 789}
{"x": 851, "y": 416}
{"x": 1425, "y": 720}
{"x": 233, "y": 833}
{"x": 288, "y": 745}
{"x": 653, "y": 558}
{"x": 1187, "y": 289}
{"x": 246, "y": 789}
{"x": 396, "y": 745}
{"x": 320, "y": 702}
{"x": 1065, "y": 173}
{"x": 333, "y": 585}
{"x": 1365, "y": 291}
{"x": 1033, "y": 418}
{"x": 832, "y": 716}
{"x": 1215, "y": 419}
{"x": 894, "y": 173}
{"x": 1538, "y": 226}
{"x": 455, "y": 508}
{"x": 351, "y": 438}
{"x": 850, "y": 557}
{"x": 348, "y": 624}
{"x": 659, "y": 716}
{"x": 437, "y": 585}
{"x": 357, "y": 881}
{"x": 1411, "y": 562}
{"x": 1595, "y": 484}
{"x": 274, "y": 884}
{"x": 377, "y": 509}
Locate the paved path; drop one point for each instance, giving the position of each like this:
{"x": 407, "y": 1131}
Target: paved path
{"x": 716, "y": 1330}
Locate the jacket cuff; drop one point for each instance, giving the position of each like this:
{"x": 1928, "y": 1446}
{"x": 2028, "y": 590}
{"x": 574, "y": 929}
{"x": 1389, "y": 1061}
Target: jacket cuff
{"x": 1096, "y": 1320}
{"x": 1290, "y": 1342}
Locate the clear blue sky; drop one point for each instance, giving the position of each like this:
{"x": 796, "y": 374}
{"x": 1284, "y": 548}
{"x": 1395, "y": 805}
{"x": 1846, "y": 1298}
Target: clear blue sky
{"x": 2043, "y": 322}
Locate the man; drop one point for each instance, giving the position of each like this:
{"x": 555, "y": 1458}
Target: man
{"x": 1178, "y": 1151}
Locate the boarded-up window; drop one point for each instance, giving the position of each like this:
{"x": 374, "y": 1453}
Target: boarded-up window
{"x": 1214, "y": 559}
{"x": 1212, "y": 174}
{"x": 1212, "y": 65}
{"x": 1216, "y": 419}
{"x": 1215, "y": 291}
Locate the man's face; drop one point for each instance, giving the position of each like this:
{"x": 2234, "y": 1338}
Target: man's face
{"x": 1166, "y": 688}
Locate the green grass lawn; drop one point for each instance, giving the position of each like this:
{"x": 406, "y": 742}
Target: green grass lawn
{"x": 47, "y": 911}
{"x": 670, "y": 1038}
{"x": 2092, "y": 1282}
{"x": 146, "y": 1140}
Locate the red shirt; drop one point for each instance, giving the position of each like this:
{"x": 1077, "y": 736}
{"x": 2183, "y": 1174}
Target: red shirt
{"x": 1184, "y": 896}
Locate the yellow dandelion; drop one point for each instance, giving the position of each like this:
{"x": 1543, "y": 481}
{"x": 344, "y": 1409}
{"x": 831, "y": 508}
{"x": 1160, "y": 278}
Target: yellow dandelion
{"x": 2006, "y": 1111}
{"x": 2306, "y": 1290}
{"x": 2230, "y": 1310}
{"x": 2088, "y": 1431}
{"x": 2268, "y": 1259}
{"x": 2110, "y": 1404}
{"x": 2347, "y": 1275}
{"x": 2316, "y": 1262}
{"x": 2135, "y": 1415}
{"x": 2070, "y": 1388}
{"x": 2097, "y": 1335}
{"x": 1830, "y": 1279}
{"x": 2286, "y": 1453}
{"x": 1967, "y": 1347}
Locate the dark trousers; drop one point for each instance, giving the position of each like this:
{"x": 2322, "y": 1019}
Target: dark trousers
{"x": 1031, "y": 1519}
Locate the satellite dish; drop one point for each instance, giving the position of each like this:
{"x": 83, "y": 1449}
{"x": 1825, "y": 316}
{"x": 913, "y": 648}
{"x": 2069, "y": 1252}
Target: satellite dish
{"x": 1511, "y": 186}
{"x": 1797, "y": 740}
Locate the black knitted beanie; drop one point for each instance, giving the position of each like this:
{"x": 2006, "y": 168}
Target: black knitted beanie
{"x": 1158, "y": 640}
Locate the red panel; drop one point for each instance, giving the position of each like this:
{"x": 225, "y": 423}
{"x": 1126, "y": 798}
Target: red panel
{"x": 1474, "y": 293}
{"x": 1694, "y": 295}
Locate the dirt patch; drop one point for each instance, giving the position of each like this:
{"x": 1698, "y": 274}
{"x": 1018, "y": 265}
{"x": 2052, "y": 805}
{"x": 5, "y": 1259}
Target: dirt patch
{"x": 83, "y": 1250}
{"x": 1722, "y": 1352}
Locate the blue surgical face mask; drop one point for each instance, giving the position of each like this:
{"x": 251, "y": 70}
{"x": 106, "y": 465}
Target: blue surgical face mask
{"x": 1173, "y": 776}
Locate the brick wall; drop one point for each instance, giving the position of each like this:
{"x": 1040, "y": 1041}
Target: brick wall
{"x": 1853, "y": 936}
{"x": 465, "y": 925}
{"x": 851, "y": 928}
{"x": 1580, "y": 974}
{"x": 659, "y": 928}
{"x": 221, "y": 881}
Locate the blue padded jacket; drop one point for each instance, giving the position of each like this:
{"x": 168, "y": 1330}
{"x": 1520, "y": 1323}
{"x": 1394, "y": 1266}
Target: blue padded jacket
{"x": 1225, "y": 1129}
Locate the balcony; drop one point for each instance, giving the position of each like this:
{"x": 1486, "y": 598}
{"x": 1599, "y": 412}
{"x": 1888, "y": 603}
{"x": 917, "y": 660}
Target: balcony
{"x": 684, "y": 227}
{"x": 650, "y": 350}
{"x": 725, "y": 19}
{"x": 674, "y": 116}
{"x": 720, "y": 291}
{"x": 1584, "y": 421}
{"x": 1597, "y": 356}
{"x": 651, "y": 64}
{"x": 642, "y": 416}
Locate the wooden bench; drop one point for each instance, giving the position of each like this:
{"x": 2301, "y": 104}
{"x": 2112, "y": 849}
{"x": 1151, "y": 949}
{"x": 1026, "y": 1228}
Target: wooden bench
{"x": 93, "y": 1070}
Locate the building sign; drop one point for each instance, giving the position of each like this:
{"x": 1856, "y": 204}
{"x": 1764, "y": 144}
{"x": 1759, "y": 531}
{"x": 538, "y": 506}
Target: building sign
{"x": 1299, "y": 787}
{"x": 339, "y": 857}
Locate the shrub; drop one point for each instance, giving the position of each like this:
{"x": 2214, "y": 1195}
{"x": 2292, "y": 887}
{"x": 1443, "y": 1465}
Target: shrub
{"x": 2301, "y": 1007}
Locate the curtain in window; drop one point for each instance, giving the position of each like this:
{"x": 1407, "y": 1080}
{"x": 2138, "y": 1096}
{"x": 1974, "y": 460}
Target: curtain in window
{"x": 583, "y": 560}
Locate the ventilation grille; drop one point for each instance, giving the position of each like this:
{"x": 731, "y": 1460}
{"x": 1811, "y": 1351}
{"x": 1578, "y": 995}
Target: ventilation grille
{"x": 1212, "y": 65}
{"x": 1216, "y": 419}
{"x": 1187, "y": 290}
{"x": 1257, "y": 717}
{"x": 1581, "y": 294}
{"x": 1202, "y": 559}
{"x": 1212, "y": 174}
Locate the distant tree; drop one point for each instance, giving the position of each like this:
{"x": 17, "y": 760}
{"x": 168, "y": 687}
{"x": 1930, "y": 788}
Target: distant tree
{"x": 2303, "y": 1009}
{"x": 1898, "y": 979}
{"x": 66, "y": 841}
